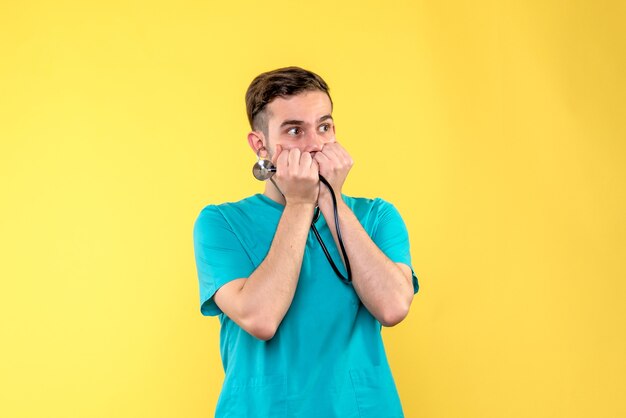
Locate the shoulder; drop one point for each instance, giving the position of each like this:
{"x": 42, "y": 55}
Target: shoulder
{"x": 366, "y": 205}
{"x": 243, "y": 204}
{"x": 216, "y": 214}
{"x": 374, "y": 213}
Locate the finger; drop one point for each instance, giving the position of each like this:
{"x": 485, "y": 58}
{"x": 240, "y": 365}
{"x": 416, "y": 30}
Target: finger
{"x": 337, "y": 153}
{"x": 343, "y": 152}
{"x": 277, "y": 152}
{"x": 294, "y": 159}
{"x": 336, "y": 144}
{"x": 321, "y": 158}
{"x": 315, "y": 168}
{"x": 324, "y": 164}
{"x": 330, "y": 154}
{"x": 282, "y": 159}
{"x": 337, "y": 147}
{"x": 344, "y": 156}
{"x": 305, "y": 161}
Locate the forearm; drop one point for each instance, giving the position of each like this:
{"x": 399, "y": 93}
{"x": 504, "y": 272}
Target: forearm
{"x": 383, "y": 287}
{"x": 267, "y": 293}
{"x": 259, "y": 302}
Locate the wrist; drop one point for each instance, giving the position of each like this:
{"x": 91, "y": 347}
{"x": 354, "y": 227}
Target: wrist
{"x": 325, "y": 201}
{"x": 300, "y": 205}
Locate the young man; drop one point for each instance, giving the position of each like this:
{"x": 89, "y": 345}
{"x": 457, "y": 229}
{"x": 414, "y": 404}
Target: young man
{"x": 296, "y": 341}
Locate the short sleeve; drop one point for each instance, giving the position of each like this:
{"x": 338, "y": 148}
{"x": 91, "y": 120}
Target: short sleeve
{"x": 392, "y": 238}
{"x": 220, "y": 257}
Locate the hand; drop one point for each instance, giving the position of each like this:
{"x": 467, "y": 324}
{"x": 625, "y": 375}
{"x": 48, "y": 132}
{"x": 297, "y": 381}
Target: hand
{"x": 297, "y": 175}
{"x": 334, "y": 164}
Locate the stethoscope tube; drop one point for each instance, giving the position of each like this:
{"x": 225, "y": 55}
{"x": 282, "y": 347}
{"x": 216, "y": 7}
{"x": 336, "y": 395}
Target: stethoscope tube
{"x": 262, "y": 172}
{"x": 346, "y": 280}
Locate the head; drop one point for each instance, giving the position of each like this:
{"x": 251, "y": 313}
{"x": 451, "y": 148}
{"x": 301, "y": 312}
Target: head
{"x": 290, "y": 107}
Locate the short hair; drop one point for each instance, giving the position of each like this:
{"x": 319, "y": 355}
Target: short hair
{"x": 282, "y": 82}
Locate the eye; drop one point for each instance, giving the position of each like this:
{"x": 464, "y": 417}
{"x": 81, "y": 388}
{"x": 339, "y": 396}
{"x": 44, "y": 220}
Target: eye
{"x": 294, "y": 131}
{"x": 324, "y": 128}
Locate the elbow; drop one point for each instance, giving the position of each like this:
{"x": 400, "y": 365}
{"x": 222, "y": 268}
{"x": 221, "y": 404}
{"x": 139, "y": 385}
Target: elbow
{"x": 392, "y": 318}
{"x": 393, "y": 315}
{"x": 260, "y": 328}
{"x": 263, "y": 333}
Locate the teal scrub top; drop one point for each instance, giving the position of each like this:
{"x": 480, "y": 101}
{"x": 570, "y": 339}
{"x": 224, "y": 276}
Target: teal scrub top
{"x": 327, "y": 357}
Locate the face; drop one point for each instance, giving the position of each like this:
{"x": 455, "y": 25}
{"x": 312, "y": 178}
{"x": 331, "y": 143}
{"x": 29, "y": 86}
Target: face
{"x": 302, "y": 121}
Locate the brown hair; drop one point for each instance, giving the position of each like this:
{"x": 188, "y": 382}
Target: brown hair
{"x": 281, "y": 82}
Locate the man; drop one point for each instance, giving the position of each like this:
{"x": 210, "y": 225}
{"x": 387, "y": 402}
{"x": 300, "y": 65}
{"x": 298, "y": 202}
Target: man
{"x": 296, "y": 341}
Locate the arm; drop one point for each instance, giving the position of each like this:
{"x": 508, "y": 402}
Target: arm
{"x": 259, "y": 303}
{"x": 384, "y": 287}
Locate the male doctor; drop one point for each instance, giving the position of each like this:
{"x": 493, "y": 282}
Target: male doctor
{"x": 296, "y": 339}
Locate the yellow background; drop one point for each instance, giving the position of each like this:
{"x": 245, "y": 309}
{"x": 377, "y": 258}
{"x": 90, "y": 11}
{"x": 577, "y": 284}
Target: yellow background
{"x": 497, "y": 129}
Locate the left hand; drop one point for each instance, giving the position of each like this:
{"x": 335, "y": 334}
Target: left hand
{"x": 334, "y": 164}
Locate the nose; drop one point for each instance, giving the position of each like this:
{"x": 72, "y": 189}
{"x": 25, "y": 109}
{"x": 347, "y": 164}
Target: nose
{"x": 314, "y": 142}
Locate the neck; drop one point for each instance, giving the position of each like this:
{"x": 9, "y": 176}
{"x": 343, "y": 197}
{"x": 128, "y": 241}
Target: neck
{"x": 273, "y": 193}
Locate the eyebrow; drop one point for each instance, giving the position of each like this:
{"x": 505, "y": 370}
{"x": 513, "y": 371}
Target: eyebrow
{"x": 299, "y": 122}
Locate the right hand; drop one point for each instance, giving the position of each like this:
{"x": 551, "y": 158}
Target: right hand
{"x": 297, "y": 175}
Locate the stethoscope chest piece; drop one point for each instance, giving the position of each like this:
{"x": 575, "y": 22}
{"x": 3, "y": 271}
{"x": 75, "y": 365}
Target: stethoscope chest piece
{"x": 263, "y": 169}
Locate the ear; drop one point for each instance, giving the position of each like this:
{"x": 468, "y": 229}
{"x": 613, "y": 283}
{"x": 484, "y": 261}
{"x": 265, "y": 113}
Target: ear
{"x": 256, "y": 140}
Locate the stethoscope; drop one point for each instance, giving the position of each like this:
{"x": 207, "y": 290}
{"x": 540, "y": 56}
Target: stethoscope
{"x": 264, "y": 169}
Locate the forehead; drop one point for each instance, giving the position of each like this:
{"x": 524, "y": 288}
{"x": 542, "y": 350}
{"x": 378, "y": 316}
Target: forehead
{"x": 306, "y": 106}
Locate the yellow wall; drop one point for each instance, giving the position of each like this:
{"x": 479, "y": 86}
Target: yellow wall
{"x": 497, "y": 128}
